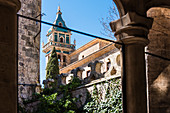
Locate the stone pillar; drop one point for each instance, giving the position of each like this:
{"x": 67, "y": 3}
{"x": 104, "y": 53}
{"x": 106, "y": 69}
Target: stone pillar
{"x": 8, "y": 55}
{"x": 132, "y": 31}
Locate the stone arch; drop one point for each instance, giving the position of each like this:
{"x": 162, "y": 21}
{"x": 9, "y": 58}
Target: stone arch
{"x": 119, "y": 7}
{"x": 118, "y": 60}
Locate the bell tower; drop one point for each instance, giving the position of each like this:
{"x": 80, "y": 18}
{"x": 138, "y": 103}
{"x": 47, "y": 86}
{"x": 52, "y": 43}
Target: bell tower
{"x": 60, "y": 39}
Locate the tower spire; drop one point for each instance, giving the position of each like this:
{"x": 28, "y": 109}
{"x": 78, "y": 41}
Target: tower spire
{"x": 59, "y": 10}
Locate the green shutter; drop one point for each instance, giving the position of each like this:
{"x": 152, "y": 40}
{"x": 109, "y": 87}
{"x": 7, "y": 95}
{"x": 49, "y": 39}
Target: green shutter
{"x": 55, "y": 37}
{"x": 67, "y": 40}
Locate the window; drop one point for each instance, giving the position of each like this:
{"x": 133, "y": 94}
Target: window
{"x": 67, "y": 40}
{"x": 82, "y": 56}
{"x": 61, "y": 39}
{"x": 66, "y": 52}
{"x": 55, "y": 37}
{"x": 64, "y": 58}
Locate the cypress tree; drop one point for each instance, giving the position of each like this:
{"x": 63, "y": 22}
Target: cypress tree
{"x": 52, "y": 66}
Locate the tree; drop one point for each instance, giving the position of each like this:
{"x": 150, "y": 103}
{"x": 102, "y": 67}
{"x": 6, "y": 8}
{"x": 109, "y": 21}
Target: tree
{"x": 52, "y": 66}
{"x": 113, "y": 14}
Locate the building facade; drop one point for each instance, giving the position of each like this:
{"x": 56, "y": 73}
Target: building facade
{"x": 28, "y": 49}
{"x": 96, "y": 59}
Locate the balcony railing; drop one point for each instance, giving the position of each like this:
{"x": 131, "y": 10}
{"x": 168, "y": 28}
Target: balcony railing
{"x": 59, "y": 44}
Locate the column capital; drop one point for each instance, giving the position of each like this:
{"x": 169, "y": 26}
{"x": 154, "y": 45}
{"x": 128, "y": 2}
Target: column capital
{"x": 12, "y": 3}
{"x": 132, "y": 28}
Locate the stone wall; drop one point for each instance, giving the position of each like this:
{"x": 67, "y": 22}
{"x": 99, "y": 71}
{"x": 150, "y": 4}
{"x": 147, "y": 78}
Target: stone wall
{"x": 158, "y": 70}
{"x": 28, "y": 48}
{"x": 82, "y": 92}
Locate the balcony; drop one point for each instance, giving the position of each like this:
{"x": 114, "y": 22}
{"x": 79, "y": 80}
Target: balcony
{"x": 59, "y": 45}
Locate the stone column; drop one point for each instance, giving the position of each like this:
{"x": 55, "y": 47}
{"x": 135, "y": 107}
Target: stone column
{"x": 8, "y": 55}
{"x": 132, "y": 30}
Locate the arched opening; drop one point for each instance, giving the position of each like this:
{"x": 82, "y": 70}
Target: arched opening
{"x": 118, "y": 60}
{"x": 61, "y": 39}
{"x": 108, "y": 64}
{"x": 88, "y": 73}
{"x": 82, "y": 56}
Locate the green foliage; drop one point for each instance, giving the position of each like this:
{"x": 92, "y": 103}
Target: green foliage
{"x": 110, "y": 102}
{"x": 52, "y": 66}
{"x": 67, "y": 104}
{"x": 104, "y": 99}
{"x": 75, "y": 82}
{"x": 49, "y": 91}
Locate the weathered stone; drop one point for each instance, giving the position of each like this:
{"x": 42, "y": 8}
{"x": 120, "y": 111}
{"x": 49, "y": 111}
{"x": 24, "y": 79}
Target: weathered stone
{"x": 158, "y": 80}
{"x": 22, "y": 74}
{"x": 23, "y": 37}
{"x": 21, "y": 88}
{"x": 28, "y": 56}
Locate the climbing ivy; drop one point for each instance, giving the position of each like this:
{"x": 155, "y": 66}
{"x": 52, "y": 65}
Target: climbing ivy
{"x": 106, "y": 99}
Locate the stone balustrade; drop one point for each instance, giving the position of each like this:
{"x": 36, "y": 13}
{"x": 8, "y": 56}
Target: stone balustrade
{"x": 58, "y": 44}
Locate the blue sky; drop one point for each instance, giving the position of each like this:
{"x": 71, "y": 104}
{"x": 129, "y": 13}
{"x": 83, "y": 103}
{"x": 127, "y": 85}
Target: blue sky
{"x": 82, "y": 15}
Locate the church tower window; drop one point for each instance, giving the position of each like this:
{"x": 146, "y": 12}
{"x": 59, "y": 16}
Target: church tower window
{"x": 67, "y": 40}
{"x": 64, "y": 58}
{"x": 55, "y": 37}
{"x": 61, "y": 39}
